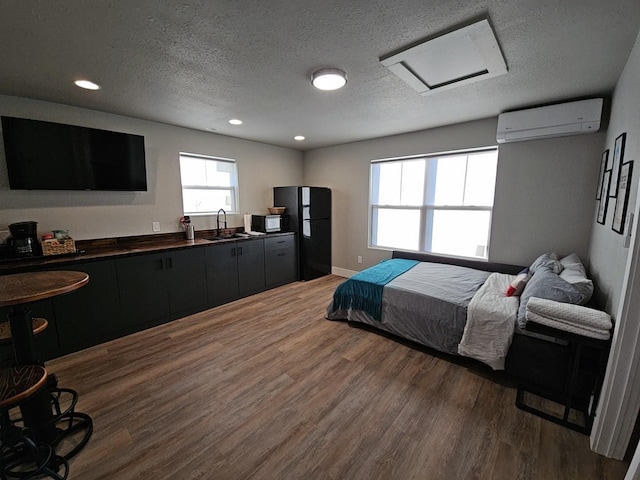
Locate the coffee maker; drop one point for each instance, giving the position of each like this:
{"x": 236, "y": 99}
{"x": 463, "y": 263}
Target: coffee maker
{"x": 23, "y": 241}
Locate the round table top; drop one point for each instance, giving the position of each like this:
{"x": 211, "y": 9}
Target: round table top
{"x": 28, "y": 287}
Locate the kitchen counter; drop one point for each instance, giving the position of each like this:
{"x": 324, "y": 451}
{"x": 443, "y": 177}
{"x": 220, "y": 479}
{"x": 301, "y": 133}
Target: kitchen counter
{"x": 125, "y": 246}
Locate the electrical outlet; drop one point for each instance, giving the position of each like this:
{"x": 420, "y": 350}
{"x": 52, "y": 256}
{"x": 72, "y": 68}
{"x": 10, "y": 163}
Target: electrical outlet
{"x": 156, "y": 226}
{"x": 359, "y": 258}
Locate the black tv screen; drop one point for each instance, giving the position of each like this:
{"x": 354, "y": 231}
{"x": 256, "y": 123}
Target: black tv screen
{"x": 52, "y": 156}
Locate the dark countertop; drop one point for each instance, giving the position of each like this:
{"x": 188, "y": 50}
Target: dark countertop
{"x": 122, "y": 247}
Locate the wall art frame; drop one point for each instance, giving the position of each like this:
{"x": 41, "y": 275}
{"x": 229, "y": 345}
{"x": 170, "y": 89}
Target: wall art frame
{"x": 603, "y": 168}
{"x": 604, "y": 200}
{"x": 618, "y": 158}
{"x": 622, "y": 200}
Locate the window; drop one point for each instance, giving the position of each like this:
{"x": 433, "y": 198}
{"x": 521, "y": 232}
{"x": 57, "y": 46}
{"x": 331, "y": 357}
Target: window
{"x": 208, "y": 184}
{"x": 439, "y": 204}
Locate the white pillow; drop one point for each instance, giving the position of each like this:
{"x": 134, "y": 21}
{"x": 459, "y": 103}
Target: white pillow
{"x": 575, "y": 274}
{"x": 549, "y": 260}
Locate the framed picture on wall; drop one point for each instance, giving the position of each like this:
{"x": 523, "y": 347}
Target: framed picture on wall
{"x": 618, "y": 156}
{"x": 620, "y": 212}
{"x": 603, "y": 168}
{"x": 604, "y": 200}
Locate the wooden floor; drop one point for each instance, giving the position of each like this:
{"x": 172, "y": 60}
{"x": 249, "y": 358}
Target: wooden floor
{"x": 266, "y": 388}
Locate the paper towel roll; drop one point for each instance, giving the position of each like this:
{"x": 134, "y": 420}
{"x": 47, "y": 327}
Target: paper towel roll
{"x": 247, "y": 222}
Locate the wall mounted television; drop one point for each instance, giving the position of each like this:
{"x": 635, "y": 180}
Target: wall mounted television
{"x": 53, "y": 156}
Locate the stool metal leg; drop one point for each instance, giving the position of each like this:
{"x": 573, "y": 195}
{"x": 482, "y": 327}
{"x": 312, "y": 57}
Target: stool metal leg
{"x": 22, "y": 457}
{"x": 22, "y": 336}
{"x": 37, "y": 415}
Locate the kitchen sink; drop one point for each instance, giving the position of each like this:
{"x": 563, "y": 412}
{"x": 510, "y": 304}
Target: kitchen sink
{"x": 227, "y": 237}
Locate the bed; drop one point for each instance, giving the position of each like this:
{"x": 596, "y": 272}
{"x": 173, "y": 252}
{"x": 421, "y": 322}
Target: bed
{"x": 459, "y": 306}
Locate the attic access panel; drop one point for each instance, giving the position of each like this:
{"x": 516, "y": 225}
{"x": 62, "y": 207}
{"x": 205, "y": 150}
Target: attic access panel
{"x": 463, "y": 56}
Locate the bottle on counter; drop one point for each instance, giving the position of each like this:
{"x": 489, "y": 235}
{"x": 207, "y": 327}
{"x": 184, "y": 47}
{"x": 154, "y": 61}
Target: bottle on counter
{"x": 190, "y": 231}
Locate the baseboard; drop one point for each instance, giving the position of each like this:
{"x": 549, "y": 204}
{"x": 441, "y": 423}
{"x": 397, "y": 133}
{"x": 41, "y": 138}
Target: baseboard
{"x": 342, "y": 272}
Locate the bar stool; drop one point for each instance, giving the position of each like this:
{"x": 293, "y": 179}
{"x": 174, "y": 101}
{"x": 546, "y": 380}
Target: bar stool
{"x": 38, "y": 325}
{"x": 7, "y": 356}
{"x": 66, "y": 423}
{"x": 21, "y": 456}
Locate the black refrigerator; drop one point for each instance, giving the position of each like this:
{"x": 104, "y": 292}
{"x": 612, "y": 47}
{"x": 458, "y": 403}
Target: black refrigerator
{"x": 309, "y": 210}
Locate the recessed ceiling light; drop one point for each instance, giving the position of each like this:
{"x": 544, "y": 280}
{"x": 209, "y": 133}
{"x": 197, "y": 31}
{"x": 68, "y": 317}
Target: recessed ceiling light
{"x": 86, "y": 84}
{"x": 235, "y": 121}
{"x": 329, "y": 79}
{"x": 299, "y": 137}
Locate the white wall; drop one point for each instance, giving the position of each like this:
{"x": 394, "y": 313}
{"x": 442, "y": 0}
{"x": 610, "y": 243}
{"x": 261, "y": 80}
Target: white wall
{"x": 110, "y": 214}
{"x": 607, "y": 255}
{"x": 616, "y": 277}
{"x": 545, "y": 190}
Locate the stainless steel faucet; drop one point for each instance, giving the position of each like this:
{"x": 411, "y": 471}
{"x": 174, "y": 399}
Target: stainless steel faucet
{"x": 218, "y": 221}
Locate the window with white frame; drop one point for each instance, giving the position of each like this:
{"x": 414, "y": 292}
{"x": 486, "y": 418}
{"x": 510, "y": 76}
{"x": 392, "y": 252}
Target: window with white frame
{"x": 439, "y": 203}
{"x": 208, "y": 184}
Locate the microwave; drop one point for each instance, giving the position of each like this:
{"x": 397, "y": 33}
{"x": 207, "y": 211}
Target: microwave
{"x": 267, "y": 223}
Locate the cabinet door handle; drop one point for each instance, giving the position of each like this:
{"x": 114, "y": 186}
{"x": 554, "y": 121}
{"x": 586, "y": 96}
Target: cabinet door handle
{"x": 240, "y": 251}
{"x": 166, "y": 264}
{"x": 281, "y": 254}
{"x": 233, "y": 252}
{"x": 280, "y": 241}
{"x": 161, "y": 264}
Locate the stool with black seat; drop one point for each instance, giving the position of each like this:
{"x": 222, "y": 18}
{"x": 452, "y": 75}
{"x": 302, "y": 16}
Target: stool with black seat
{"x": 21, "y": 456}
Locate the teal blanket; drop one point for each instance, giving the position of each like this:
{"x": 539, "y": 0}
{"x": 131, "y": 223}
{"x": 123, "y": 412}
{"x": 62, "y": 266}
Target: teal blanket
{"x": 363, "y": 291}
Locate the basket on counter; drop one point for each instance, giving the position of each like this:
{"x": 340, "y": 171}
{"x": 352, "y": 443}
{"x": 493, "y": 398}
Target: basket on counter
{"x": 58, "y": 246}
{"x": 276, "y": 210}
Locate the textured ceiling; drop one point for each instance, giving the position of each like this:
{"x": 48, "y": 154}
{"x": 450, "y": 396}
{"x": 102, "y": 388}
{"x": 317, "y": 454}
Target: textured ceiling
{"x": 199, "y": 63}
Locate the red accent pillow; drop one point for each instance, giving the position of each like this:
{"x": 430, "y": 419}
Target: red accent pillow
{"x": 517, "y": 286}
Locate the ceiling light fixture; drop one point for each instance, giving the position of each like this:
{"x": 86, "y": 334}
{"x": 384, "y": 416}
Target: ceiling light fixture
{"x": 86, "y": 84}
{"x": 299, "y": 137}
{"x": 235, "y": 121}
{"x": 329, "y": 79}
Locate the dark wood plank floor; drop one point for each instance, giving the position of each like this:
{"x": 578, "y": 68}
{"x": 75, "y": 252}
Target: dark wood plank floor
{"x": 266, "y": 388}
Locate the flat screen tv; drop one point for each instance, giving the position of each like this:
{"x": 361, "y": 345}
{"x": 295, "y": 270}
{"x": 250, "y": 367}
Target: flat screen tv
{"x": 52, "y": 156}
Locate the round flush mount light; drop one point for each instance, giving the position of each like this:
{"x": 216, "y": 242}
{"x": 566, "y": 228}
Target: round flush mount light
{"x": 299, "y": 138}
{"x": 329, "y": 79}
{"x": 86, "y": 84}
{"x": 235, "y": 121}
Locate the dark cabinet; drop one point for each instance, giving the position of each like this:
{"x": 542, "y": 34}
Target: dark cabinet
{"x": 142, "y": 285}
{"x": 82, "y": 318}
{"x": 251, "y": 267}
{"x": 130, "y": 293}
{"x": 91, "y": 314}
{"x": 222, "y": 273}
{"x": 188, "y": 282}
{"x": 280, "y": 263}
{"x": 160, "y": 286}
{"x": 234, "y": 270}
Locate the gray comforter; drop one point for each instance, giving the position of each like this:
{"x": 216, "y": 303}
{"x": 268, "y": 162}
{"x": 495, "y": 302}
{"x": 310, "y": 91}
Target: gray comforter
{"x": 428, "y": 305}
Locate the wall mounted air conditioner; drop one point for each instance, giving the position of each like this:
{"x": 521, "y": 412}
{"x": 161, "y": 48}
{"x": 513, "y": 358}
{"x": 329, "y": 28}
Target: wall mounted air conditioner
{"x": 559, "y": 120}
